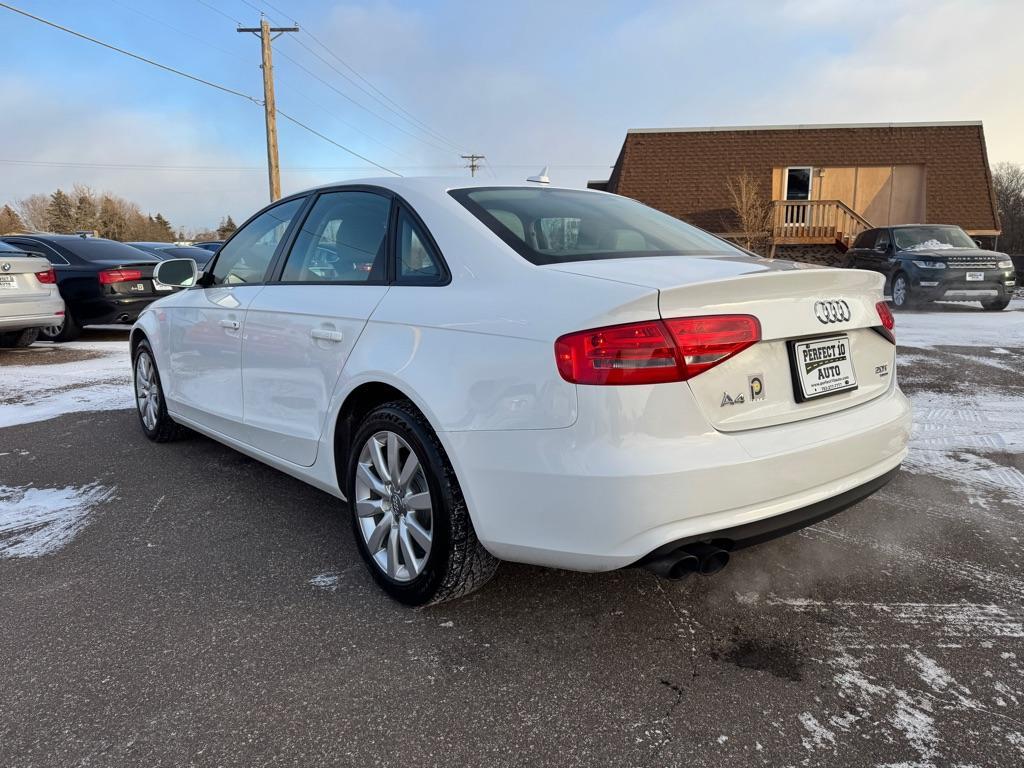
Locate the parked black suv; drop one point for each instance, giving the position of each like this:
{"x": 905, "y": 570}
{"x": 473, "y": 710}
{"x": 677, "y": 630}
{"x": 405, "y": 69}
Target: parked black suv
{"x": 928, "y": 262}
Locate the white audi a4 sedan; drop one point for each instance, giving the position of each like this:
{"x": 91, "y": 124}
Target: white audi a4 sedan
{"x": 552, "y": 376}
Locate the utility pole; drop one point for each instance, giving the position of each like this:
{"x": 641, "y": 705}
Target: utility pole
{"x": 268, "y": 33}
{"x": 474, "y": 162}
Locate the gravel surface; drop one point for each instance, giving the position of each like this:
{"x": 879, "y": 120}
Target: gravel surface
{"x": 173, "y": 605}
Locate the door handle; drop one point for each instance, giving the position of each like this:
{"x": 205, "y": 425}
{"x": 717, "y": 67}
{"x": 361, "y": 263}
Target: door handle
{"x": 326, "y": 335}
{"x": 232, "y": 325}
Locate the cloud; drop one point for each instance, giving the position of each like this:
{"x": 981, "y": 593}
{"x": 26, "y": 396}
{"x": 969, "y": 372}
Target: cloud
{"x": 55, "y": 128}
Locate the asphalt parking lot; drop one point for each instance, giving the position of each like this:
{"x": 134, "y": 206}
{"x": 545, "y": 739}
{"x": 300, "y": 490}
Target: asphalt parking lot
{"x": 171, "y": 605}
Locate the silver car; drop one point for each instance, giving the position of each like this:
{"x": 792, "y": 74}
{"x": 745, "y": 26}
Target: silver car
{"x": 29, "y": 298}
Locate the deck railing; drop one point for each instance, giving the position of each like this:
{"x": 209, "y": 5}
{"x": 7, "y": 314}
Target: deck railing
{"x": 795, "y": 222}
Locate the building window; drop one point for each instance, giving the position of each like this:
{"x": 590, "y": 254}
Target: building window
{"x": 798, "y": 183}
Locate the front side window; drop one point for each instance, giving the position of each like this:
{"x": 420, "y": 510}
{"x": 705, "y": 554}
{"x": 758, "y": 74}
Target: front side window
{"x": 341, "y": 241}
{"x": 417, "y": 260}
{"x": 551, "y": 226}
{"x": 931, "y": 238}
{"x": 882, "y": 243}
{"x": 245, "y": 258}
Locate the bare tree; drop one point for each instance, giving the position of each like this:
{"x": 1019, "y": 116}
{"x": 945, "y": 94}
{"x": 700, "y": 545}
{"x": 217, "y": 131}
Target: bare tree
{"x": 752, "y": 210}
{"x": 32, "y": 210}
{"x": 1008, "y": 180}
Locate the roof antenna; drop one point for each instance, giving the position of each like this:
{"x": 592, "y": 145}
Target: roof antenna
{"x": 541, "y": 178}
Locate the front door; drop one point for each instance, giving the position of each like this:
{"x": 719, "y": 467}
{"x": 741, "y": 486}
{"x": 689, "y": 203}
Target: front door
{"x": 302, "y": 327}
{"x": 207, "y": 324}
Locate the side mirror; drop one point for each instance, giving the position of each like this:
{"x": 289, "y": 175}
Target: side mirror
{"x": 175, "y": 273}
{"x": 977, "y": 242}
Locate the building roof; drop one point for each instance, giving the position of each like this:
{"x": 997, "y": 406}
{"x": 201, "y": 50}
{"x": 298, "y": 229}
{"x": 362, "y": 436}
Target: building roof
{"x": 684, "y": 171}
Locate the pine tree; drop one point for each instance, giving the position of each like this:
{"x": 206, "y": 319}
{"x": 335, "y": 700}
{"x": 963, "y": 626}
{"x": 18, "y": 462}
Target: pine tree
{"x": 10, "y": 221}
{"x": 86, "y": 212}
{"x": 163, "y": 228}
{"x": 226, "y": 228}
{"x": 60, "y": 213}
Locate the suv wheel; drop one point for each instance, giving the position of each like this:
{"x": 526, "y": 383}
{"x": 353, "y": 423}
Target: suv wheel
{"x": 410, "y": 520}
{"x": 994, "y": 305}
{"x": 901, "y": 292}
{"x": 23, "y": 338}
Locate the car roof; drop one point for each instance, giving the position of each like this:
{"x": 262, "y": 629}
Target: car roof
{"x": 437, "y": 184}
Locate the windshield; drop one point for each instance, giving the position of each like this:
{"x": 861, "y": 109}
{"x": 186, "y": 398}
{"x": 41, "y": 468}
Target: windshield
{"x": 551, "y": 226}
{"x": 931, "y": 238}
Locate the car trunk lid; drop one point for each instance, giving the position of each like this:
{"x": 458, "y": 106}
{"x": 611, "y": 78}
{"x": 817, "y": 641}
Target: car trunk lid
{"x": 18, "y": 282}
{"x": 794, "y": 304}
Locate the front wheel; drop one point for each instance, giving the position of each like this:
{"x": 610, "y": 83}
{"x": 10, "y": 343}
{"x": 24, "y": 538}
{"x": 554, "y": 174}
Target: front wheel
{"x": 409, "y": 517}
{"x": 149, "y": 398}
{"x": 995, "y": 305}
{"x": 901, "y": 298}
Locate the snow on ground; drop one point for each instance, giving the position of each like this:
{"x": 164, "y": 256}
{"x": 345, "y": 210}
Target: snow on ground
{"x": 962, "y": 326}
{"x": 40, "y": 521}
{"x": 98, "y": 378}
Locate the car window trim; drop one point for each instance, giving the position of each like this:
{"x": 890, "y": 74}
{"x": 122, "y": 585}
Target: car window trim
{"x": 51, "y": 249}
{"x": 269, "y": 271}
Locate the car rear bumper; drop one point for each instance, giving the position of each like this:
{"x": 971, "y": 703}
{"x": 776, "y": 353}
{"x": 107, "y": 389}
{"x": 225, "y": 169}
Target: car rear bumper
{"x": 605, "y": 493}
{"x": 110, "y": 309}
{"x": 44, "y": 313}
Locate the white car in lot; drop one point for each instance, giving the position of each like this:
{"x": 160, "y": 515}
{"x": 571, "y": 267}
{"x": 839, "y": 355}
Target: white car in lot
{"x": 29, "y": 298}
{"x": 551, "y": 376}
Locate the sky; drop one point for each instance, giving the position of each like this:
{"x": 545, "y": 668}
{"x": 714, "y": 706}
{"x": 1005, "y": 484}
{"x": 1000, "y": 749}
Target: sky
{"x": 527, "y": 84}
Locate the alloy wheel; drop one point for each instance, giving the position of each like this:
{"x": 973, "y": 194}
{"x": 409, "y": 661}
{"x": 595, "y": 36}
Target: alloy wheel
{"x": 52, "y": 331}
{"x": 147, "y": 390}
{"x": 393, "y": 506}
{"x": 899, "y": 291}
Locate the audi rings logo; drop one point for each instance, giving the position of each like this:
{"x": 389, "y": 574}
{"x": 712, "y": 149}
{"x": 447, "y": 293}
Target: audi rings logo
{"x": 832, "y": 311}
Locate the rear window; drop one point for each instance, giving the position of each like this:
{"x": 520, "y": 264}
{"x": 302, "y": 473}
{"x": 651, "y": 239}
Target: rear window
{"x": 8, "y": 248}
{"x": 97, "y": 249}
{"x": 552, "y": 226}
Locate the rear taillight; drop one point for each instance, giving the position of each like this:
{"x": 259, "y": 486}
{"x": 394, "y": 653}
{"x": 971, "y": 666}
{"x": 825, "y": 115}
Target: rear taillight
{"x": 888, "y": 328}
{"x": 108, "y": 276}
{"x": 653, "y": 352}
{"x": 49, "y": 277}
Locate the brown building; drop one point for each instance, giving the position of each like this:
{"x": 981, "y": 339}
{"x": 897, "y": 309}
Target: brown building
{"x": 824, "y": 183}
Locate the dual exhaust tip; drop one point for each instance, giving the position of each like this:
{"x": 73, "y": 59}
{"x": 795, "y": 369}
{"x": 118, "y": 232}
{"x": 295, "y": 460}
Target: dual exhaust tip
{"x": 701, "y": 558}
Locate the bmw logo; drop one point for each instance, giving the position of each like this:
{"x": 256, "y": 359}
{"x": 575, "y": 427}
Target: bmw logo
{"x": 6, "y": 266}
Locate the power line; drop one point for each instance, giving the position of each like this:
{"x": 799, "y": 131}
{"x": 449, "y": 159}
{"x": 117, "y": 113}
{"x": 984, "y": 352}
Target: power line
{"x": 156, "y": 64}
{"x": 473, "y": 162}
{"x": 392, "y": 107}
{"x": 197, "y": 168}
{"x": 194, "y": 78}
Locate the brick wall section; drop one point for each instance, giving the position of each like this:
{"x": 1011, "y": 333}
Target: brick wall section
{"x": 684, "y": 173}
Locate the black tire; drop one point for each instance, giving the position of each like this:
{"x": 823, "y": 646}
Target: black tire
{"x": 905, "y": 298}
{"x": 996, "y": 305}
{"x": 23, "y": 338}
{"x": 69, "y": 330}
{"x": 457, "y": 562}
{"x": 163, "y": 429}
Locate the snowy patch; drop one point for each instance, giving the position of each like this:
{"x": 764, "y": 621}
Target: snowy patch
{"x": 327, "y": 581}
{"x": 39, "y": 521}
{"x": 820, "y": 736}
{"x": 954, "y": 437}
{"x": 964, "y": 328}
{"x": 38, "y": 392}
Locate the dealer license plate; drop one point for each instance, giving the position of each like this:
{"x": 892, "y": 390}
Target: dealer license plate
{"x": 7, "y": 281}
{"x": 822, "y": 367}
{"x": 975, "y": 276}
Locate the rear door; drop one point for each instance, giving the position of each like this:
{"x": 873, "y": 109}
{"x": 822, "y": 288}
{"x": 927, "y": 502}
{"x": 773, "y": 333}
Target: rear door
{"x": 207, "y": 323}
{"x": 302, "y": 327}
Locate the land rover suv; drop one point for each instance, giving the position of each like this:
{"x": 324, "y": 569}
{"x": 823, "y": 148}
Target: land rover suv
{"x": 929, "y": 262}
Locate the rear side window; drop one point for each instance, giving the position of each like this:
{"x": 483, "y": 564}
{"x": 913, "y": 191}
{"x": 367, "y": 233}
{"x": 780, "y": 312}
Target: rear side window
{"x": 882, "y": 241}
{"x": 418, "y": 262}
{"x": 44, "y": 250}
{"x": 341, "y": 241}
{"x": 552, "y": 226}
{"x": 245, "y": 258}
